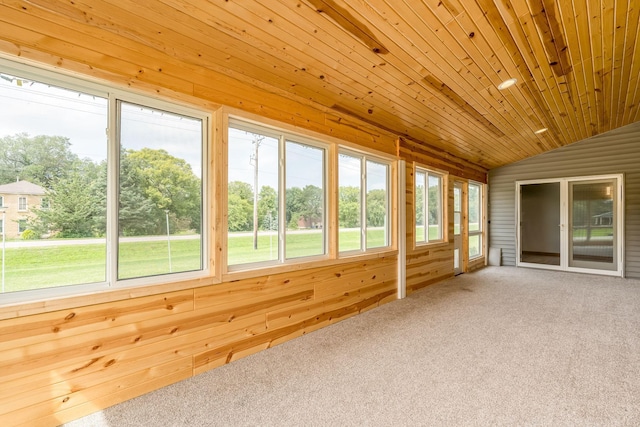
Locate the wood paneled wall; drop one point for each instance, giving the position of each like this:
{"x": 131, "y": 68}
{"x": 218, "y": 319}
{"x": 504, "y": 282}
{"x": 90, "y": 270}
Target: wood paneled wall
{"x": 428, "y": 264}
{"x": 61, "y": 365}
{"x": 62, "y": 360}
{"x": 425, "y": 264}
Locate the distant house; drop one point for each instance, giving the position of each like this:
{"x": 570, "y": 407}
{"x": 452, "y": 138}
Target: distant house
{"x": 17, "y": 200}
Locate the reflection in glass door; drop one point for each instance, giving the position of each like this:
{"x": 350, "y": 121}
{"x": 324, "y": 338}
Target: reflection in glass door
{"x": 593, "y": 229}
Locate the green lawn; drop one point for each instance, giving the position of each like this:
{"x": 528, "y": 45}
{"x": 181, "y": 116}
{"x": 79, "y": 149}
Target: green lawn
{"x": 42, "y": 267}
{"x": 241, "y": 250}
{"x": 433, "y": 232}
{"x": 595, "y": 232}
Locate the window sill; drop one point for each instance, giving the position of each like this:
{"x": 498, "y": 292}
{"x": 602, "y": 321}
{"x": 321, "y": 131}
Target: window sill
{"x": 430, "y": 245}
{"x": 297, "y": 266}
{"x": 19, "y": 304}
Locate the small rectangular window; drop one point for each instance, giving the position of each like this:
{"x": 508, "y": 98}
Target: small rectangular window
{"x": 1, "y": 201}
{"x": 22, "y": 203}
{"x": 304, "y": 200}
{"x": 363, "y": 202}
{"x": 429, "y": 199}
{"x": 349, "y": 203}
{"x": 377, "y": 204}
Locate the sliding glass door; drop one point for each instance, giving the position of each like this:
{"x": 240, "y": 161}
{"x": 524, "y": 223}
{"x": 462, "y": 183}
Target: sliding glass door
{"x": 593, "y": 224}
{"x": 572, "y": 224}
{"x": 540, "y": 223}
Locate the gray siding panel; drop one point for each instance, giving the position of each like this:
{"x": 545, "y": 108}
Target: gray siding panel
{"x": 614, "y": 152}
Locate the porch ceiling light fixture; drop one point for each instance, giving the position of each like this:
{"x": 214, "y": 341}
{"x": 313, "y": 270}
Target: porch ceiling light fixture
{"x": 507, "y": 84}
{"x": 539, "y": 131}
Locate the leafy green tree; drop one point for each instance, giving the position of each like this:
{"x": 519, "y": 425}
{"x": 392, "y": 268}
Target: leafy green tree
{"x": 73, "y": 206}
{"x": 293, "y": 202}
{"x": 39, "y": 159}
{"x": 434, "y": 205}
{"x": 241, "y": 189}
{"x": 376, "y": 208}
{"x": 240, "y": 206}
{"x": 267, "y": 206}
{"x": 137, "y": 214}
{"x": 312, "y": 204}
{"x": 240, "y": 214}
{"x": 169, "y": 183}
{"x": 349, "y": 207}
{"x": 420, "y": 204}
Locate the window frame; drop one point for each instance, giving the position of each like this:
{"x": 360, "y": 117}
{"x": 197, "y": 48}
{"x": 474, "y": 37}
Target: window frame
{"x": 283, "y": 136}
{"x": 480, "y": 231}
{"x": 443, "y": 176}
{"x": 364, "y": 158}
{"x": 23, "y": 207}
{"x": 112, "y": 94}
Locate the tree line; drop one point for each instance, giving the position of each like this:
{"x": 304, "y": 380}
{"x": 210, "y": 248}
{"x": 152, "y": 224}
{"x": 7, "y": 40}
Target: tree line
{"x": 304, "y": 207}
{"x": 152, "y": 185}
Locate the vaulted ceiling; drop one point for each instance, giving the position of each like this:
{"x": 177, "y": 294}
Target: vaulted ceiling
{"x": 425, "y": 70}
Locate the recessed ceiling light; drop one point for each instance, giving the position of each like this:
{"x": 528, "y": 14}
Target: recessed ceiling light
{"x": 540, "y": 130}
{"x": 507, "y": 83}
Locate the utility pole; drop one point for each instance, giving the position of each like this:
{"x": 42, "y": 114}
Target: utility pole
{"x": 254, "y": 161}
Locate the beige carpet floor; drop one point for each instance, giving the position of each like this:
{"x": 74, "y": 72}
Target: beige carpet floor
{"x": 499, "y": 347}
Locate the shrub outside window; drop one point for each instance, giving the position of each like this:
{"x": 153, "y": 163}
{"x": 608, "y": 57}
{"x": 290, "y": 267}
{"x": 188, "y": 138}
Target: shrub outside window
{"x": 429, "y": 200}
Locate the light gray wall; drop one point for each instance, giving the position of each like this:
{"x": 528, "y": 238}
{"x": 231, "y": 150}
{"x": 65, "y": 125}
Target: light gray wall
{"x": 614, "y": 152}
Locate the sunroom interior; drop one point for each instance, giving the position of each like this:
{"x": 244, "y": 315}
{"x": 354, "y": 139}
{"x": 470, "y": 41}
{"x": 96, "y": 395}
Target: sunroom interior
{"x": 213, "y": 178}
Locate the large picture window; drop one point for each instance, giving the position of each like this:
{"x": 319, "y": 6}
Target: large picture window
{"x": 159, "y": 192}
{"x": 363, "y": 202}
{"x": 429, "y": 199}
{"x": 276, "y": 196}
{"x": 118, "y": 205}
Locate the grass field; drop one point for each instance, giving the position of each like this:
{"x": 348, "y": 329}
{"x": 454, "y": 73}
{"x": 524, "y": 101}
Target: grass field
{"x": 52, "y": 266}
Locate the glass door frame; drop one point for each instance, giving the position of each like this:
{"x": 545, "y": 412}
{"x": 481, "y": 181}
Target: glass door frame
{"x": 458, "y": 245}
{"x": 565, "y": 211}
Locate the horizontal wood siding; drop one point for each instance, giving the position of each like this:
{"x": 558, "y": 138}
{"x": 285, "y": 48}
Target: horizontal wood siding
{"x": 426, "y": 264}
{"x": 59, "y": 366}
{"x": 62, "y": 359}
{"x": 615, "y": 152}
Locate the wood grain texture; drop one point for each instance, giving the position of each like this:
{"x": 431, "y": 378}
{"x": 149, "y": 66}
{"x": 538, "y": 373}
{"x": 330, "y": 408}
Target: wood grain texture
{"x": 368, "y": 71}
{"x": 60, "y": 365}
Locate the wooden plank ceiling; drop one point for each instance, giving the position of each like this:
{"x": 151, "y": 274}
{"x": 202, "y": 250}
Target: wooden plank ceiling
{"x": 424, "y": 70}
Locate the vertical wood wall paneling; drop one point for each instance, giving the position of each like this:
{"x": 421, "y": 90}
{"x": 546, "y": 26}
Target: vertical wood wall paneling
{"x": 614, "y": 152}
